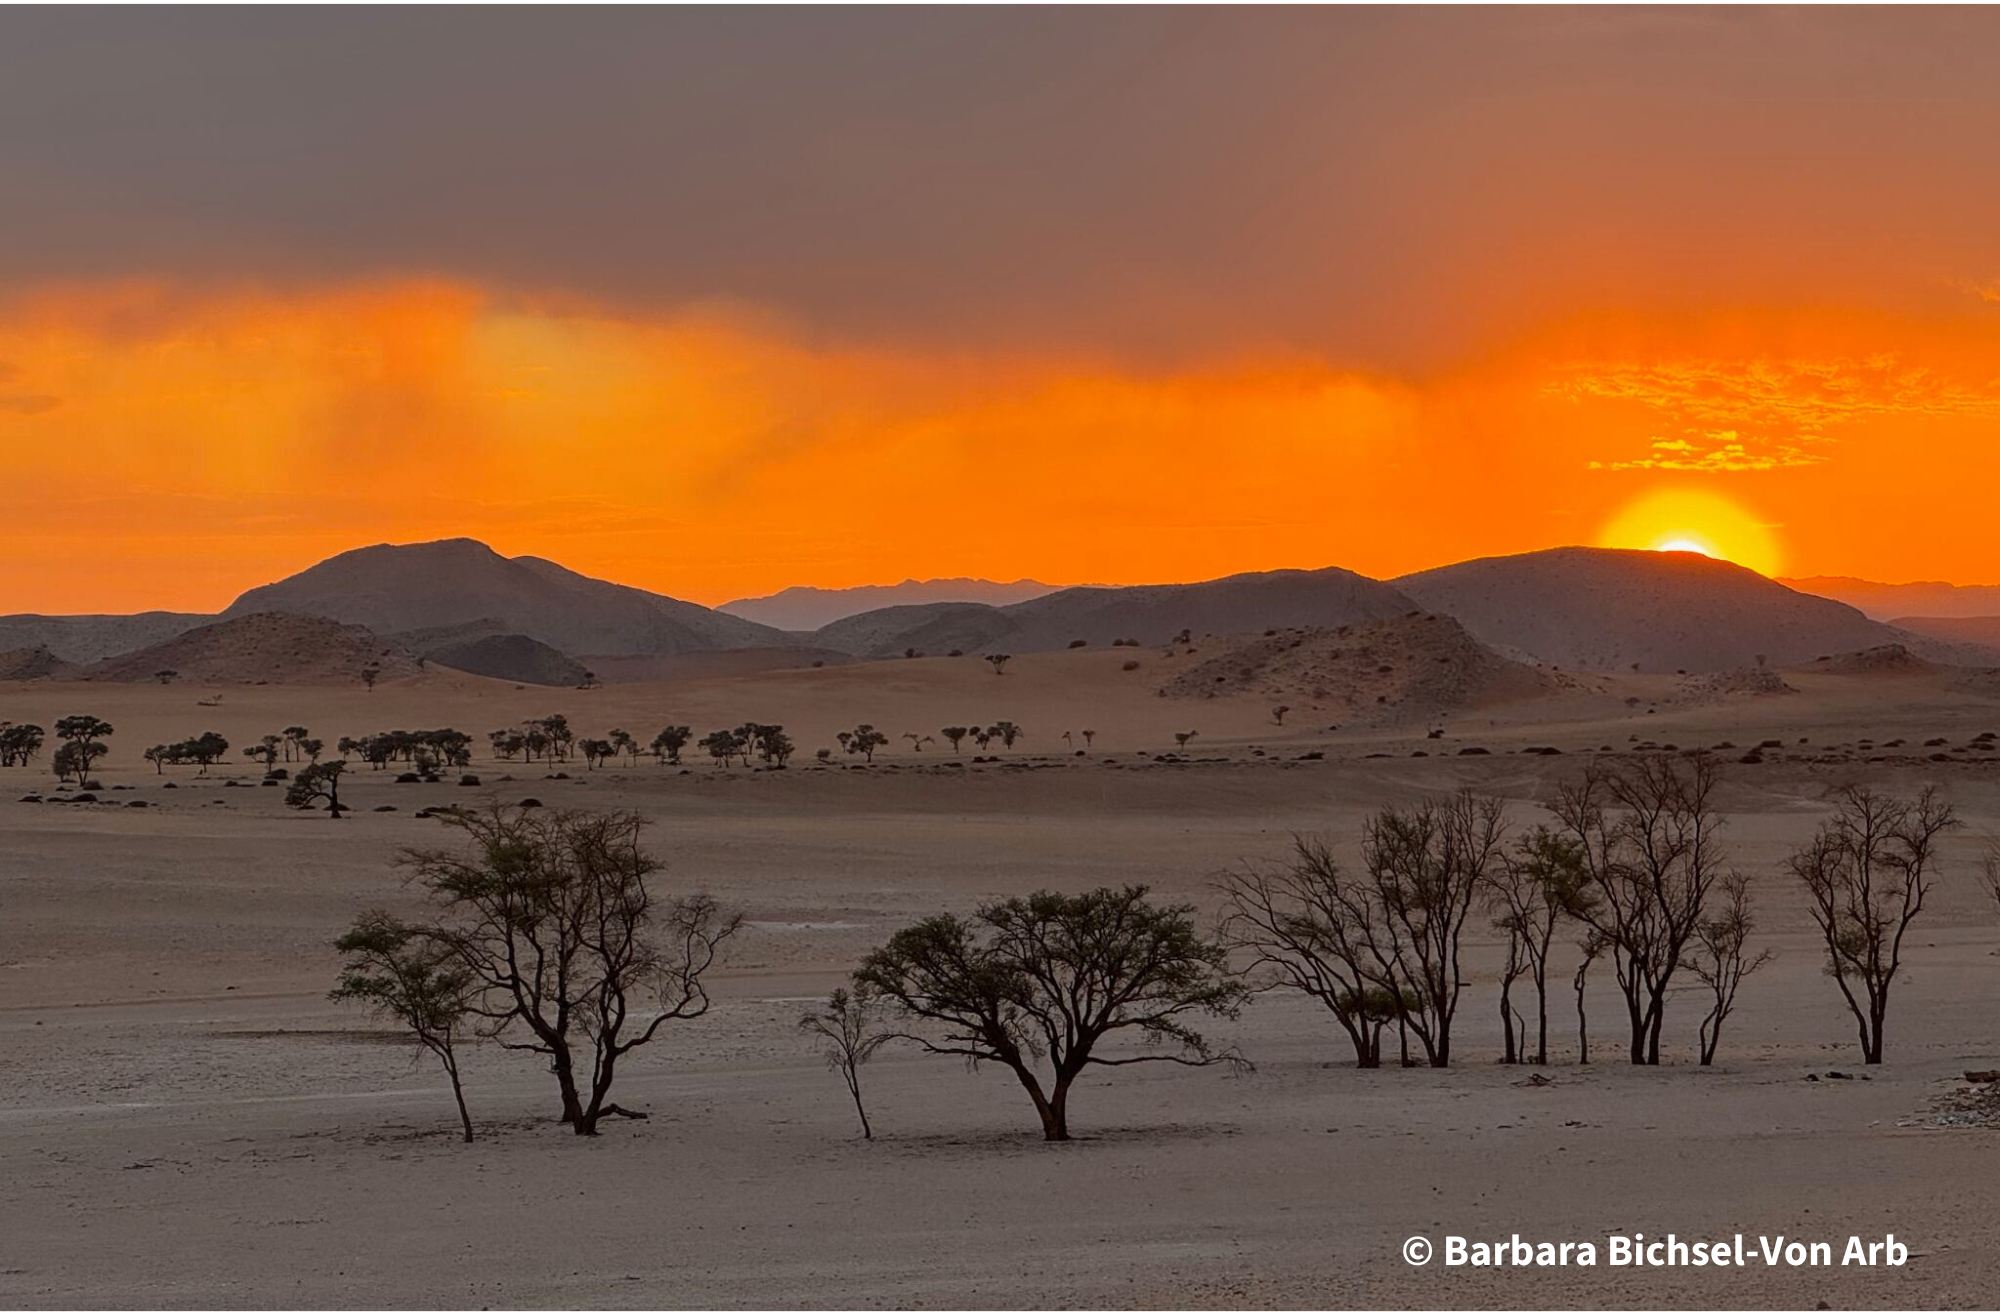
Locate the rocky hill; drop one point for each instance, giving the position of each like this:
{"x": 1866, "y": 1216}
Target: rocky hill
{"x": 261, "y": 648}
{"x": 804, "y": 610}
{"x": 439, "y": 584}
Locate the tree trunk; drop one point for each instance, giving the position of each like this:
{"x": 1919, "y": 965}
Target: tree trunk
{"x": 1508, "y": 1056}
{"x": 458, "y": 1093}
{"x": 1055, "y": 1116}
{"x": 854, "y": 1087}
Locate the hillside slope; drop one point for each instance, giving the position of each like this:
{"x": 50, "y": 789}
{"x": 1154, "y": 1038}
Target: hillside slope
{"x": 262, "y": 648}
{"x": 1887, "y": 601}
{"x": 81, "y": 639}
{"x": 1412, "y": 668}
{"x": 1601, "y": 609}
{"x": 435, "y": 585}
{"x": 1149, "y": 614}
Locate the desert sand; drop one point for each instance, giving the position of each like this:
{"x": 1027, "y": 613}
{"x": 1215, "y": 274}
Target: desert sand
{"x": 185, "y": 1120}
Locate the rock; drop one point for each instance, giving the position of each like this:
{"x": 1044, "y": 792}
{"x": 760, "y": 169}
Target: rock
{"x": 1982, "y": 1077}
{"x": 468, "y": 781}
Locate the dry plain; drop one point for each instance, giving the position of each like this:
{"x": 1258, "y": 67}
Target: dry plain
{"x": 185, "y": 1120}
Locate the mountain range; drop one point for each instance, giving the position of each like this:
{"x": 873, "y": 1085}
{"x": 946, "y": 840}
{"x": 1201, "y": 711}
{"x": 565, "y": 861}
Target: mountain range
{"x": 805, "y": 609}
{"x": 460, "y": 604}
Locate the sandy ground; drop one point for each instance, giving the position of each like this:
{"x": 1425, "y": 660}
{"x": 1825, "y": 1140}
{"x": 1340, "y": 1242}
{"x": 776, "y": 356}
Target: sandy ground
{"x": 184, "y": 1120}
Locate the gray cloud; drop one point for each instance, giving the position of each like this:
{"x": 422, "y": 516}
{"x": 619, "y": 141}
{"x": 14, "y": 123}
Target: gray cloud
{"x": 1388, "y": 186}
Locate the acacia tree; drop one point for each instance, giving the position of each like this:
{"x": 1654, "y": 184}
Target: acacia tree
{"x": 265, "y": 750}
{"x": 667, "y": 743}
{"x": 624, "y": 744}
{"x": 402, "y": 974}
{"x": 80, "y": 736}
{"x": 1294, "y": 922}
{"x": 596, "y": 751}
{"x": 317, "y": 782}
{"x": 865, "y": 739}
{"x": 1007, "y": 732}
{"x": 19, "y": 743}
{"x": 1648, "y": 834}
{"x": 998, "y": 660}
{"x": 1722, "y": 961}
{"x": 1866, "y": 873}
{"x": 554, "y": 914}
{"x": 1530, "y": 887}
{"x": 723, "y": 745}
{"x": 955, "y": 734}
{"x": 1050, "y": 978}
{"x": 849, "y": 1029}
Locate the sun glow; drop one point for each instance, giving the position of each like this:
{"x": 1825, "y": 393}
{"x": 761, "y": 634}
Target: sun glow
{"x": 1696, "y": 521}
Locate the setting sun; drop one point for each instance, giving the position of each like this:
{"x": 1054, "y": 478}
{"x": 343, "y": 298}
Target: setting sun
{"x": 1701, "y": 522}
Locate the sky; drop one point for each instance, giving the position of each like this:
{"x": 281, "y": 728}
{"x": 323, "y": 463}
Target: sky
{"x": 716, "y": 302}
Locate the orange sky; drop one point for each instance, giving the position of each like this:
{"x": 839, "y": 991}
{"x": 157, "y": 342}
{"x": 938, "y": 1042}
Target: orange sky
{"x": 169, "y": 446}
{"x": 715, "y": 301}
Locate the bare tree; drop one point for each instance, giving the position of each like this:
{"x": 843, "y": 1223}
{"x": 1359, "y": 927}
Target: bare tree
{"x": 1531, "y": 887}
{"x": 403, "y": 974}
{"x": 1648, "y": 835}
{"x": 1294, "y": 921}
{"x": 554, "y": 914}
{"x": 1593, "y": 946}
{"x": 1089, "y": 737}
{"x": 849, "y": 1028}
{"x": 1053, "y": 976}
{"x": 1866, "y": 873}
{"x": 1722, "y": 961}
{"x": 1425, "y": 865}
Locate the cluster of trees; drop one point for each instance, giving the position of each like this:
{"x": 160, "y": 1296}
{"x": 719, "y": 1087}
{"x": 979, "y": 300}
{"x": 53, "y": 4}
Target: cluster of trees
{"x": 298, "y": 744}
{"x": 203, "y": 751}
{"x": 1633, "y": 862}
{"x": 546, "y": 931}
{"x": 19, "y": 742}
{"x": 426, "y": 750}
{"x": 545, "y": 934}
{"x": 1006, "y": 731}
{"x": 768, "y": 742}
{"x": 549, "y": 738}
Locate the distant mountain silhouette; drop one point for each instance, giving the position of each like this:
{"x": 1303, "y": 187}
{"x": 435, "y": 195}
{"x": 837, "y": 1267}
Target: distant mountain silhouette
{"x": 1151, "y": 614}
{"x": 262, "y": 648}
{"x": 1890, "y": 601}
{"x": 1979, "y": 630}
{"x": 1600, "y": 609}
{"x": 459, "y": 581}
{"x": 804, "y": 609}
